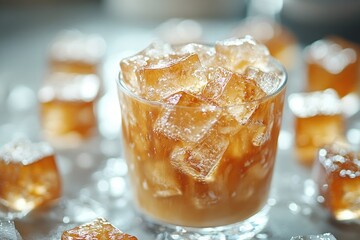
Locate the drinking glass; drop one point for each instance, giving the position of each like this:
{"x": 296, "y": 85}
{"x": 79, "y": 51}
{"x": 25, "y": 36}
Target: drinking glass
{"x": 197, "y": 172}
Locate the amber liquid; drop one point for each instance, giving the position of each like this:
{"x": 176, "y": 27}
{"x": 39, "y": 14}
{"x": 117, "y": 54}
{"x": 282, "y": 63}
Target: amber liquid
{"x": 238, "y": 187}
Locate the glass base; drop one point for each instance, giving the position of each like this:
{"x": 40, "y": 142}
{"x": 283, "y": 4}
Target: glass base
{"x": 239, "y": 231}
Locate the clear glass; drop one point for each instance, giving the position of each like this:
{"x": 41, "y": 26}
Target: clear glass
{"x": 216, "y": 188}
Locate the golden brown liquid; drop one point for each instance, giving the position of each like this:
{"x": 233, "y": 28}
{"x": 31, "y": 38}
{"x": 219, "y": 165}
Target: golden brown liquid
{"x": 25, "y": 187}
{"x": 233, "y": 190}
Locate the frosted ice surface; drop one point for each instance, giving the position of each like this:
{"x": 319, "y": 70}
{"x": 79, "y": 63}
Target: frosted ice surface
{"x": 311, "y": 104}
{"x": 24, "y": 151}
{"x": 184, "y": 73}
{"x": 268, "y": 81}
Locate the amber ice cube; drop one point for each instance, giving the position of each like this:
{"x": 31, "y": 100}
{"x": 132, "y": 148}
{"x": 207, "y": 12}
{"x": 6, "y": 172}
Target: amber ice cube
{"x": 280, "y": 41}
{"x": 67, "y": 103}
{"x": 186, "y": 117}
{"x": 333, "y": 63}
{"x": 76, "y": 52}
{"x": 236, "y": 54}
{"x": 337, "y": 174}
{"x": 97, "y": 229}
{"x": 324, "y": 236}
{"x": 155, "y": 54}
{"x": 29, "y": 177}
{"x": 318, "y": 121}
{"x": 161, "y": 80}
{"x": 206, "y": 53}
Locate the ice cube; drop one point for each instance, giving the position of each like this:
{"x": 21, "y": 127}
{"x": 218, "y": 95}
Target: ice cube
{"x": 28, "y": 177}
{"x": 268, "y": 81}
{"x": 158, "y": 51}
{"x": 238, "y": 96}
{"x": 161, "y": 179}
{"x": 160, "y": 81}
{"x": 74, "y": 51}
{"x": 324, "y": 236}
{"x": 237, "y": 54}
{"x": 8, "y": 230}
{"x": 337, "y": 174}
{"x": 187, "y": 118}
{"x": 202, "y": 159}
{"x": 318, "y": 121}
{"x": 67, "y": 103}
{"x": 97, "y": 229}
{"x": 280, "y": 41}
{"x": 218, "y": 78}
{"x": 206, "y": 53}
{"x": 333, "y": 63}
{"x": 129, "y": 67}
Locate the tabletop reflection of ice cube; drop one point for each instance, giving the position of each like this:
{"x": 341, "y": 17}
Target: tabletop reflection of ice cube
{"x": 8, "y": 230}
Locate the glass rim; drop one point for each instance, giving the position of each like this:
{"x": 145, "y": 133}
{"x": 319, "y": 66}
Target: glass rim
{"x": 273, "y": 63}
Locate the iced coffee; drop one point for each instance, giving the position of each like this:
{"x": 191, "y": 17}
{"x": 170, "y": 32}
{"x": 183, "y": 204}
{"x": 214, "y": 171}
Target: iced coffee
{"x": 200, "y": 126}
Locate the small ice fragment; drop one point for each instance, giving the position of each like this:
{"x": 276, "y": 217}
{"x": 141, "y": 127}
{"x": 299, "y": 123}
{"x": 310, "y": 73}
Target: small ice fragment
{"x": 325, "y": 236}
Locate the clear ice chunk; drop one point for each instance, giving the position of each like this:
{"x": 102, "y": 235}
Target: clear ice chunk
{"x": 268, "y": 81}
{"x": 238, "y": 96}
{"x": 160, "y": 81}
{"x": 237, "y": 54}
{"x": 206, "y": 53}
{"x": 325, "y": 236}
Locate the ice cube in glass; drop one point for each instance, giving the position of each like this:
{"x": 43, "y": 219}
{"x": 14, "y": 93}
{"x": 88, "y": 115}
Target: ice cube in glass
{"x": 280, "y": 41}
